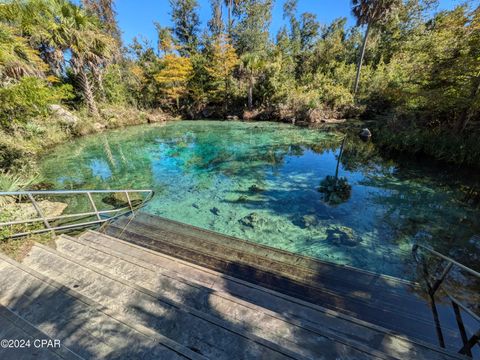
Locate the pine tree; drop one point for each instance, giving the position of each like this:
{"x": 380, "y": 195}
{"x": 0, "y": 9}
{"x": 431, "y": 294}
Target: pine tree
{"x": 164, "y": 39}
{"x": 186, "y": 25}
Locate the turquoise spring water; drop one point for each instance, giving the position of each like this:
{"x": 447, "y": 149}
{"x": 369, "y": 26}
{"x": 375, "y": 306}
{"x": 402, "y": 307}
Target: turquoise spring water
{"x": 259, "y": 181}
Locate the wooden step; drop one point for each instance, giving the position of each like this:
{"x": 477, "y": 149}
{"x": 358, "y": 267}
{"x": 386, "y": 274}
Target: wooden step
{"x": 82, "y": 325}
{"x": 32, "y": 344}
{"x": 209, "y": 336}
{"x": 276, "y": 327}
{"x": 340, "y": 278}
{"x": 247, "y": 302}
{"x": 323, "y": 271}
{"x": 384, "y": 306}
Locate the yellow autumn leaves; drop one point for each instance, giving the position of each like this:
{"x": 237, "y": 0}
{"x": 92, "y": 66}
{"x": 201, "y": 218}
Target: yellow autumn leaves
{"x": 176, "y": 71}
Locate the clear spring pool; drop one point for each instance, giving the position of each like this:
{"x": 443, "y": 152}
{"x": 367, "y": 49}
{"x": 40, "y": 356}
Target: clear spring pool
{"x": 260, "y": 181}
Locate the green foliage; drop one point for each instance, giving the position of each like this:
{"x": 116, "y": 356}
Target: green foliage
{"x": 17, "y": 57}
{"x": 421, "y": 69}
{"x": 222, "y": 62}
{"x": 251, "y": 33}
{"x": 441, "y": 144}
{"x": 186, "y": 25}
{"x": 28, "y": 98}
{"x": 14, "y": 182}
{"x": 116, "y": 82}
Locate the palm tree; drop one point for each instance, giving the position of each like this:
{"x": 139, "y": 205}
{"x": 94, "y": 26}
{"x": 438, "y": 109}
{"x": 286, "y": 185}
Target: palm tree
{"x": 17, "y": 57}
{"x": 251, "y": 66}
{"x": 90, "y": 49}
{"x": 63, "y": 34}
{"x": 105, "y": 11}
{"x": 370, "y": 13}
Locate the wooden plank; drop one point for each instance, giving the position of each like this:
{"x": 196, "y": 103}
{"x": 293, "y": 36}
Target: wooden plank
{"x": 82, "y": 324}
{"x": 337, "y": 277}
{"x": 258, "y": 308}
{"x": 204, "y": 254}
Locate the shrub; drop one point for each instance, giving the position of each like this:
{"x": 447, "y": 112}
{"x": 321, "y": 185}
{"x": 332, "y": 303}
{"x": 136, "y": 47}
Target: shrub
{"x": 13, "y": 182}
{"x": 115, "y": 86}
{"x": 28, "y": 98}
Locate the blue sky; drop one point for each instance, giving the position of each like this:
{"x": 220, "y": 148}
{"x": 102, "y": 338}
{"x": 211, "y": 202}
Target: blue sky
{"x": 136, "y": 17}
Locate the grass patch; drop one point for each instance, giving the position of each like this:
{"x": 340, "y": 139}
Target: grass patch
{"x": 18, "y": 248}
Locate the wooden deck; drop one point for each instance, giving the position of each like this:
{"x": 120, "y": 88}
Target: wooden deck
{"x": 171, "y": 291}
{"x": 391, "y": 303}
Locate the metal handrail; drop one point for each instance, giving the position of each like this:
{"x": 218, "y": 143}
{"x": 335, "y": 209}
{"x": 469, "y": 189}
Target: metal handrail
{"x": 96, "y": 212}
{"x": 444, "y": 257}
{"x": 468, "y": 343}
{"x": 463, "y": 307}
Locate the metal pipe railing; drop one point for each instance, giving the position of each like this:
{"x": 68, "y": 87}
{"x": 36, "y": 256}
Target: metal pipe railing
{"x": 49, "y": 220}
{"x": 450, "y": 260}
{"x": 468, "y": 343}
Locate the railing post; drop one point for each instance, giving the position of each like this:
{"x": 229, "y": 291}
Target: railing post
{"x": 129, "y": 201}
{"x": 438, "y": 326}
{"x": 93, "y": 205}
{"x": 39, "y": 212}
{"x": 470, "y": 343}
{"x": 96, "y": 211}
{"x": 461, "y": 327}
{"x": 442, "y": 277}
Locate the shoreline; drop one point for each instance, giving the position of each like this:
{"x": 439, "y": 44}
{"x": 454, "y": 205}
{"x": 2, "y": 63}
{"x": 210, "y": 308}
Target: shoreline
{"x": 115, "y": 118}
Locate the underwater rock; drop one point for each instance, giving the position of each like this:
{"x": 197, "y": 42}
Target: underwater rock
{"x": 242, "y": 198}
{"x": 119, "y": 199}
{"x": 475, "y": 241}
{"x": 255, "y": 189}
{"x": 196, "y": 206}
{"x": 253, "y": 220}
{"x": 342, "y": 235}
{"x": 306, "y": 221}
{"x": 365, "y": 134}
{"x": 215, "y": 211}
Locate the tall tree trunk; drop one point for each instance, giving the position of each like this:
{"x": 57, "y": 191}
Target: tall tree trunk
{"x": 229, "y": 29}
{"x": 360, "y": 60}
{"x": 250, "y": 92}
{"x": 86, "y": 89}
{"x": 339, "y": 159}
{"x": 99, "y": 78}
{"x": 225, "y": 96}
